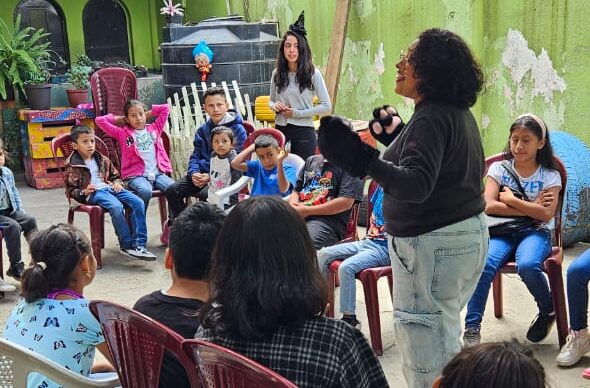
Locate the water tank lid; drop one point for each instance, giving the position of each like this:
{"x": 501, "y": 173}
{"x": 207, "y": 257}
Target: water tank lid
{"x": 221, "y": 19}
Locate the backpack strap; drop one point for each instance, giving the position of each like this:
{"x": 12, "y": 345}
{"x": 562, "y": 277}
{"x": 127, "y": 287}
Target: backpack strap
{"x": 510, "y": 170}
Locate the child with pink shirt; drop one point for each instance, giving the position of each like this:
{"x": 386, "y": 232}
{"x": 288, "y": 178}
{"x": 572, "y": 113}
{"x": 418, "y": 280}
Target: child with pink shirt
{"x": 144, "y": 161}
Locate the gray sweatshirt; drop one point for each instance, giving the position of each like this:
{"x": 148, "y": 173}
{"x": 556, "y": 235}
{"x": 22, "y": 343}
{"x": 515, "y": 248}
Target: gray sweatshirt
{"x": 301, "y": 102}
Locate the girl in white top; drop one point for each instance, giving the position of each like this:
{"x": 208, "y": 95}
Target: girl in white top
{"x": 294, "y": 83}
{"x": 530, "y": 154}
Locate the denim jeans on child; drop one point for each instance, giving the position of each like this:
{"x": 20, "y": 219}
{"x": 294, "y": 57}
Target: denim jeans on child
{"x": 143, "y": 187}
{"x": 434, "y": 274}
{"x": 12, "y": 225}
{"x": 357, "y": 256}
{"x": 115, "y": 204}
{"x": 578, "y": 275}
{"x": 530, "y": 248}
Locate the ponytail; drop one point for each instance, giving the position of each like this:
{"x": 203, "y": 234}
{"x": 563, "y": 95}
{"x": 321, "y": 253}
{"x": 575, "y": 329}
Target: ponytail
{"x": 55, "y": 253}
{"x": 34, "y": 284}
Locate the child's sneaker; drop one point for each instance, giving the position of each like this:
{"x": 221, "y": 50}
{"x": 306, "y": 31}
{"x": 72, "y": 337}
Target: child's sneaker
{"x": 471, "y": 336}
{"x": 352, "y": 321}
{"x": 139, "y": 253}
{"x": 576, "y": 345}
{"x": 540, "y": 327}
{"x": 6, "y": 287}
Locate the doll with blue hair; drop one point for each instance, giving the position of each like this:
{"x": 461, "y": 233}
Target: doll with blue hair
{"x": 203, "y": 57}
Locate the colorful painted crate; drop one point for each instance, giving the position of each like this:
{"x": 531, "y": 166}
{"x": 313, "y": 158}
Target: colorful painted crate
{"x": 38, "y": 129}
{"x": 43, "y": 173}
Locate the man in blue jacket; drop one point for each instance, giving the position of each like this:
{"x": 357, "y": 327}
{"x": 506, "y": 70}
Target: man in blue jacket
{"x": 197, "y": 177}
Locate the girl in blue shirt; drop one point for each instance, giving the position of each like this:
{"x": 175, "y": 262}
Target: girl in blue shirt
{"x": 52, "y": 318}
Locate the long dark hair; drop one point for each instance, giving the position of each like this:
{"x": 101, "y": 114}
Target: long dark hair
{"x": 60, "y": 247}
{"x": 446, "y": 70}
{"x": 544, "y": 155}
{"x": 305, "y": 67}
{"x": 264, "y": 272}
{"x": 501, "y": 364}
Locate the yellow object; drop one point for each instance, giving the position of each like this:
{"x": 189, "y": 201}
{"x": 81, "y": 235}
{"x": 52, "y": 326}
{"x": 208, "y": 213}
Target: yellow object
{"x": 262, "y": 111}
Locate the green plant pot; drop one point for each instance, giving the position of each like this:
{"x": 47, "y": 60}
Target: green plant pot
{"x": 77, "y": 96}
{"x": 38, "y": 96}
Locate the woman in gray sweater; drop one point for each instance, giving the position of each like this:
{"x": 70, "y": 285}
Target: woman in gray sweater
{"x": 294, "y": 83}
{"x": 431, "y": 174}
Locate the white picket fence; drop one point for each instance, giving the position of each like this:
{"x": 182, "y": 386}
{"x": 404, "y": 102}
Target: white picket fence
{"x": 186, "y": 115}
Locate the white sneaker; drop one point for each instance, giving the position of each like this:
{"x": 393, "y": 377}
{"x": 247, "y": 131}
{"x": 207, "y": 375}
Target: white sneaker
{"x": 6, "y": 287}
{"x": 140, "y": 253}
{"x": 574, "y": 349}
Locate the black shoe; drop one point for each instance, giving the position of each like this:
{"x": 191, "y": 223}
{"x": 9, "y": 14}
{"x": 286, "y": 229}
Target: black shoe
{"x": 352, "y": 321}
{"x": 16, "y": 270}
{"x": 540, "y": 327}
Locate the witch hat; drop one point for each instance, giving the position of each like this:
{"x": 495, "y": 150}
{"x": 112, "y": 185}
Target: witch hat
{"x": 299, "y": 25}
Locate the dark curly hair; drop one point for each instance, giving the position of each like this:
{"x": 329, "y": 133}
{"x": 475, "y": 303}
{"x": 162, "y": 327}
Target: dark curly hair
{"x": 446, "y": 70}
{"x": 305, "y": 67}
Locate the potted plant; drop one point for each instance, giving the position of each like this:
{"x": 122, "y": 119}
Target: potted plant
{"x": 78, "y": 75}
{"x": 38, "y": 88}
{"x": 20, "y": 52}
{"x": 173, "y": 13}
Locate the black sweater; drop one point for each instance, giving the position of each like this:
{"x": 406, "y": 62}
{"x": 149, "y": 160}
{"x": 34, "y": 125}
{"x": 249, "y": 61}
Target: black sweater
{"x": 432, "y": 172}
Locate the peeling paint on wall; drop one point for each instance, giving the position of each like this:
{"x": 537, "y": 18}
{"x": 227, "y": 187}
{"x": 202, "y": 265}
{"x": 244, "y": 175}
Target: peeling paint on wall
{"x": 364, "y": 8}
{"x": 485, "y": 121}
{"x": 379, "y": 57}
{"x": 274, "y": 8}
{"x": 361, "y": 91}
{"x": 531, "y": 75}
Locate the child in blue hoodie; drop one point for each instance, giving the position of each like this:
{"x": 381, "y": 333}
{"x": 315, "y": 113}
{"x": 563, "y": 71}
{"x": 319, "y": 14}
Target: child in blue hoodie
{"x": 197, "y": 177}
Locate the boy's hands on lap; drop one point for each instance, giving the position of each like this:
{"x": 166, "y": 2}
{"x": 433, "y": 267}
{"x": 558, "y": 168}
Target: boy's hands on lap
{"x": 200, "y": 179}
{"x": 117, "y": 186}
{"x": 89, "y": 190}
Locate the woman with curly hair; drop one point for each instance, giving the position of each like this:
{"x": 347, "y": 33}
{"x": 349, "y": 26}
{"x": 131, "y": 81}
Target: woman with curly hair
{"x": 294, "y": 83}
{"x": 431, "y": 174}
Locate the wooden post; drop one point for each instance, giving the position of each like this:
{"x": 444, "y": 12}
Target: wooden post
{"x": 337, "y": 48}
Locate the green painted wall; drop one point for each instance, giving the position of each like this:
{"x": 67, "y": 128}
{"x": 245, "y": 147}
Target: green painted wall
{"x": 143, "y": 20}
{"x": 535, "y": 54}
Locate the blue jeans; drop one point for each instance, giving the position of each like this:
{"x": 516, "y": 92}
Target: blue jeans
{"x": 115, "y": 204}
{"x": 530, "y": 247}
{"x": 434, "y": 274}
{"x": 357, "y": 256}
{"x": 578, "y": 275}
{"x": 143, "y": 187}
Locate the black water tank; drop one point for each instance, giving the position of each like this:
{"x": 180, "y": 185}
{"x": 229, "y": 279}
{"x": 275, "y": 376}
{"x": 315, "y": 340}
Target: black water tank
{"x": 245, "y": 52}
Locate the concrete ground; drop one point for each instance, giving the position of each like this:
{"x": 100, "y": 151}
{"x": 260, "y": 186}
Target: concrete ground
{"x": 124, "y": 281}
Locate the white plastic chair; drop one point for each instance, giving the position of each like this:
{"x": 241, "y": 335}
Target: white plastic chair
{"x": 17, "y": 362}
{"x": 223, "y": 195}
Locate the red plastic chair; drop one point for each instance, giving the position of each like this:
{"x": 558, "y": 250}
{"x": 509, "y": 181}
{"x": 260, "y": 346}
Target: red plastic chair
{"x": 265, "y": 131}
{"x": 111, "y": 87}
{"x": 137, "y": 345}
{"x": 95, "y": 213}
{"x": 552, "y": 265}
{"x": 249, "y": 127}
{"x": 368, "y": 278}
{"x": 220, "y": 367}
